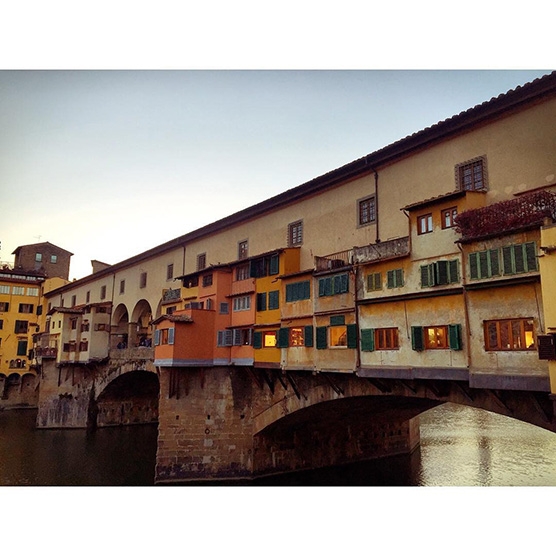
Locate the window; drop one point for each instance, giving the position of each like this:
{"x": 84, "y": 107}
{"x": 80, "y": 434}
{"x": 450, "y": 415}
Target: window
{"x": 242, "y": 272}
{"x": 18, "y": 290}
{"x": 298, "y": 291}
{"x": 295, "y": 233}
{"x": 242, "y": 303}
{"x": 169, "y": 272}
{"x": 242, "y": 337}
{"x": 269, "y": 339}
{"x": 53, "y": 259}
{"x": 85, "y": 326}
{"x": 297, "y": 336}
{"x": 471, "y": 175}
{"x": 122, "y": 286}
{"x": 374, "y": 281}
{"x": 143, "y": 280}
{"x": 424, "y": 224}
{"x": 21, "y": 326}
{"x": 394, "y": 278}
{"x": 26, "y": 308}
{"x": 510, "y": 335}
{"x": 439, "y": 273}
{"x": 242, "y": 249}
{"x": 73, "y": 300}
{"x": 448, "y": 217}
{"x": 224, "y": 308}
{"x": 87, "y": 298}
{"x": 4, "y": 306}
{"x": 207, "y": 280}
{"x": 519, "y": 258}
{"x": 103, "y": 291}
{"x": 164, "y": 336}
{"x": 22, "y": 347}
{"x": 273, "y": 300}
{"x": 73, "y": 323}
{"x": 366, "y": 210}
{"x": 261, "y": 301}
{"x": 201, "y": 261}
{"x": 4, "y": 289}
{"x": 264, "y": 266}
{"x": 379, "y": 338}
{"x": 436, "y": 337}
{"x": 1, "y": 324}
{"x": 484, "y": 264}
{"x": 38, "y": 257}
{"x": 33, "y": 291}
{"x": 333, "y": 285}
{"x": 224, "y": 338}
{"x": 342, "y": 335}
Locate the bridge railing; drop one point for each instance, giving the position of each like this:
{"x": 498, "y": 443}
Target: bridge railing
{"x": 130, "y": 354}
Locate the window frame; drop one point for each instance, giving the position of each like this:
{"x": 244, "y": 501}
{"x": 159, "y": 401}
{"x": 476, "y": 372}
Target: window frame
{"x": 471, "y": 164}
{"x": 295, "y": 233}
{"x": 448, "y": 216}
{"x": 427, "y": 220}
{"x": 441, "y": 333}
{"x": 509, "y": 325}
{"x": 366, "y": 211}
{"x": 170, "y": 271}
{"x": 385, "y": 336}
{"x": 243, "y": 249}
{"x": 201, "y": 261}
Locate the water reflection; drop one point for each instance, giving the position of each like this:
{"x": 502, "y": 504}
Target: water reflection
{"x": 460, "y": 446}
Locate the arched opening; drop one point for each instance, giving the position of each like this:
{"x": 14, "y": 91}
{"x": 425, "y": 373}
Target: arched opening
{"x": 140, "y": 329}
{"x": 130, "y": 399}
{"x": 120, "y": 328}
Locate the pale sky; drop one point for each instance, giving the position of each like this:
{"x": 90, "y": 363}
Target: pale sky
{"x": 107, "y": 164}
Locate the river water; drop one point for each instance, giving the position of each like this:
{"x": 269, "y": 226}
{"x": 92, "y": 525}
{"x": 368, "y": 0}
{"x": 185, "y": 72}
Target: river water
{"x": 460, "y": 446}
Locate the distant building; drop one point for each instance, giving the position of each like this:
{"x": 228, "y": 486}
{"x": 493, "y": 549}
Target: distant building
{"x": 44, "y": 258}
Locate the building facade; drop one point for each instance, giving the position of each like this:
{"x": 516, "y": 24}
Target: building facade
{"x": 369, "y": 267}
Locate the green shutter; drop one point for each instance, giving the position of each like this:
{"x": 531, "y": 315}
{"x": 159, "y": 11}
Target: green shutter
{"x": 321, "y": 337}
{"x": 519, "y": 257}
{"x": 453, "y": 271}
{"x": 157, "y": 337}
{"x": 417, "y": 338}
{"x": 322, "y": 287}
{"x": 171, "y": 332}
{"x": 274, "y": 299}
{"x": 257, "y": 340}
{"x": 337, "y": 320}
{"x": 367, "y": 339}
{"x": 351, "y": 336}
{"x": 473, "y": 266}
{"x": 289, "y": 292}
{"x": 344, "y": 283}
{"x": 454, "y": 336}
{"x": 441, "y": 273}
{"x": 531, "y": 256}
{"x": 261, "y": 301}
{"x": 308, "y": 336}
{"x": 494, "y": 259}
{"x": 283, "y": 338}
{"x": 507, "y": 259}
{"x": 425, "y": 276}
{"x": 306, "y": 290}
{"x": 274, "y": 265}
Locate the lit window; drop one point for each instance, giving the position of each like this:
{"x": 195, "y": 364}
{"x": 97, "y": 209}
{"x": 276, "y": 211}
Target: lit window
{"x": 297, "y": 337}
{"x": 436, "y": 337}
{"x": 338, "y": 336}
{"x": 448, "y": 216}
{"x": 509, "y": 335}
{"x": 269, "y": 339}
{"x": 366, "y": 211}
{"x": 424, "y": 224}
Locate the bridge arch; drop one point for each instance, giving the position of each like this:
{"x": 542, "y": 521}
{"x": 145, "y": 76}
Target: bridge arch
{"x": 120, "y": 327}
{"x": 130, "y": 398}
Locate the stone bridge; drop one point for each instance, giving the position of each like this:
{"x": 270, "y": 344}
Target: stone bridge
{"x": 241, "y": 423}
{"x": 120, "y": 390}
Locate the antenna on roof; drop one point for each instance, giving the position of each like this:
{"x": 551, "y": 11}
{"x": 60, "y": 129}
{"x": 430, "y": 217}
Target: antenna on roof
{"x": 38, "y": 237}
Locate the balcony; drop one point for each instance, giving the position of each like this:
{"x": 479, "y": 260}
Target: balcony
{"x": 46, "y": 352}
{"x": 171, "y": 296}
{"x": 132, "y": 354}
{"x": 384, "y": 250}
{"x": 333, "y": 261}
{"x": 525, "y": 212}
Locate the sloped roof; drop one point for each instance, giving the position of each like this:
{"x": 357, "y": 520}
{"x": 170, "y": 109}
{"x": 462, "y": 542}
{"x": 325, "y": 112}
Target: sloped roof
{"x": 514, "y": 99}
{"x": 41, "y": 245}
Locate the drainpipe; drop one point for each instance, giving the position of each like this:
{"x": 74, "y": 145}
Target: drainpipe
{"x": 356, "y": 303}
{"x": 465, "y": 306}
{"x": 376, "y": 206}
